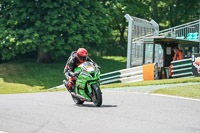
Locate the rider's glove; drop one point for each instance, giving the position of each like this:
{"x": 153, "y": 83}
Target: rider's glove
{"x": 77, "y": 73}
{"x": 66, "y": 74}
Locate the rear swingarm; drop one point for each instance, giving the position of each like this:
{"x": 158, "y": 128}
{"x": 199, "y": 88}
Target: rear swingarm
{"x": 81, "y": 97}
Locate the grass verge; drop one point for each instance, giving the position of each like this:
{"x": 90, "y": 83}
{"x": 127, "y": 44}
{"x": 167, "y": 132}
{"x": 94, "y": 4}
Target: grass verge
{"x": 153, "y": 82}
{"x": 12, "y": 88}
{"x": 27, "y": 76}
{"x": 192, "y": 91}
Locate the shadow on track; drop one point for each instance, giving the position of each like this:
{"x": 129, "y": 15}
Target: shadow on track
{"x": 91, "y": 105}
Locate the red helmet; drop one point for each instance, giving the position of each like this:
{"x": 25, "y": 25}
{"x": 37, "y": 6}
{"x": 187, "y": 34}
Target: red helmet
{"x": 82, "y": 54}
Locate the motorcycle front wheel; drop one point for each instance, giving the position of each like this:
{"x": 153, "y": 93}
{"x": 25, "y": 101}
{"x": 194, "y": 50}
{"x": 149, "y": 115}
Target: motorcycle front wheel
{"x": 97, "y": 95}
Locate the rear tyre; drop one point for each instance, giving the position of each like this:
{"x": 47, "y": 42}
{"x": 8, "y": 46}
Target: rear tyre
{"x": 77, "y": 100}
{"x": 97, "y": 92}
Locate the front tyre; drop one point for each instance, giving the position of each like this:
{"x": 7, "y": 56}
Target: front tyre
{"x": 97, "y": 95}
{"x": 77, "y": 100}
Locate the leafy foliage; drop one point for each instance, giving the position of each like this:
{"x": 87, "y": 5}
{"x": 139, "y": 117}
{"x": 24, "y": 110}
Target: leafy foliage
{"x": 174, "y": 12}
{"x": 53, "y": 26}
{"x": 117, "y": 10}
{"x": 166, "y": 13}
{"x": 60, "y": 26}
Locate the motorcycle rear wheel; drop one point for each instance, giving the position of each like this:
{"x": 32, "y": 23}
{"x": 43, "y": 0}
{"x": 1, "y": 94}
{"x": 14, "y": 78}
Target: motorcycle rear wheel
{"x": 98, "y": 94}
{"x": 77, "y": 100}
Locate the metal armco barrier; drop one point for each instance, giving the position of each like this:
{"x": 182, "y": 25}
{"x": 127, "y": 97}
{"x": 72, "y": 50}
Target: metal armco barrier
{"x": 123, "y": 76}
{"x": 182, "y": 68}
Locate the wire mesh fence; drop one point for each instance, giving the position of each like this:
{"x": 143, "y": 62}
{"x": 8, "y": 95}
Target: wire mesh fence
{"x": 139, "y": 29}
{"x": 188, "y": 31}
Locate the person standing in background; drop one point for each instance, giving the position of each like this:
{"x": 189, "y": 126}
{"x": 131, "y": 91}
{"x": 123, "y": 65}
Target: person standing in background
{"x": 178, "y": 55}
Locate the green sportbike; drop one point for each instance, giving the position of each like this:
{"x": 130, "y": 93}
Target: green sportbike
{"x": 87, "y": 86}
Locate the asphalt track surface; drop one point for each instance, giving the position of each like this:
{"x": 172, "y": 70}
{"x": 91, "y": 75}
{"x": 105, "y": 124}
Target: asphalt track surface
{"x": 121, "y": 112}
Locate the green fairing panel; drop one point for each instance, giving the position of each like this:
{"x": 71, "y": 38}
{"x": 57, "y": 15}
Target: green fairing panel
{"x": 85, "y": 80}
{"x": 94, "y": 82}
{"x": 81, "y": 83}
{"x": 89, "y": 88}
{"x": 77, "y": 69}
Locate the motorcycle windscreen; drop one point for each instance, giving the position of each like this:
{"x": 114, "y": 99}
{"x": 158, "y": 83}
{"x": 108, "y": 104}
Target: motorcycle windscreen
{"x": 88, "y": 66}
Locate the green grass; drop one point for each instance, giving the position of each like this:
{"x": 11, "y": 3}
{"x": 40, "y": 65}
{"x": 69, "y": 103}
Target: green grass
{"x": 27, "y": 76}
{"x": 153, "y": 82}
{"x": 192, "y": 91}
{"x": 110, "y": 63}
{"x": 11, "y": 88}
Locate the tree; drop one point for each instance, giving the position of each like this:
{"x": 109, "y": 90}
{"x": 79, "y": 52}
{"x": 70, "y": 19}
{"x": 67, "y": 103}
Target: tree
{"x": 174, "y": 12}
{"x": 118, "y": 9}
{"x": 182, "y": 11}
{"x": 51, "y": 27}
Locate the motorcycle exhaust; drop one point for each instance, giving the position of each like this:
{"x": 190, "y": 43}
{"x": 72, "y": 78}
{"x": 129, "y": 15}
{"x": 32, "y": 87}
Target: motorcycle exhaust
{"x": 81, "y": 97}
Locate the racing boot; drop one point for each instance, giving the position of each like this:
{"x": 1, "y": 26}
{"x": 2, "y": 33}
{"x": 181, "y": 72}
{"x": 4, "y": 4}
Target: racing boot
{"x": 67, "y": 85}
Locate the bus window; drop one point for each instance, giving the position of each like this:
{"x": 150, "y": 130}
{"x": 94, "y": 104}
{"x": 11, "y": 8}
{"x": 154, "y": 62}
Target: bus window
{"x": 188, "y": 52}
{"x": 158, "y": 55}
{"x": 194, "y": 50}
{"x": 148, "y": 53}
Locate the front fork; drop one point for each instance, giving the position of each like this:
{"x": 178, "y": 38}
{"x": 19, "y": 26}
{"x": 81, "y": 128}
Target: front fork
{"x": 90, "y": 94}
{"x": 89, "y": 87}
{"x": 90, "y": 90}
{"x": 89, "y": 84}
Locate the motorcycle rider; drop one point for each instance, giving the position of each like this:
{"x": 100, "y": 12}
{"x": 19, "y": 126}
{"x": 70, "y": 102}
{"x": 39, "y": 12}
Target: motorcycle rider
{"x": 76, "y": 58}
